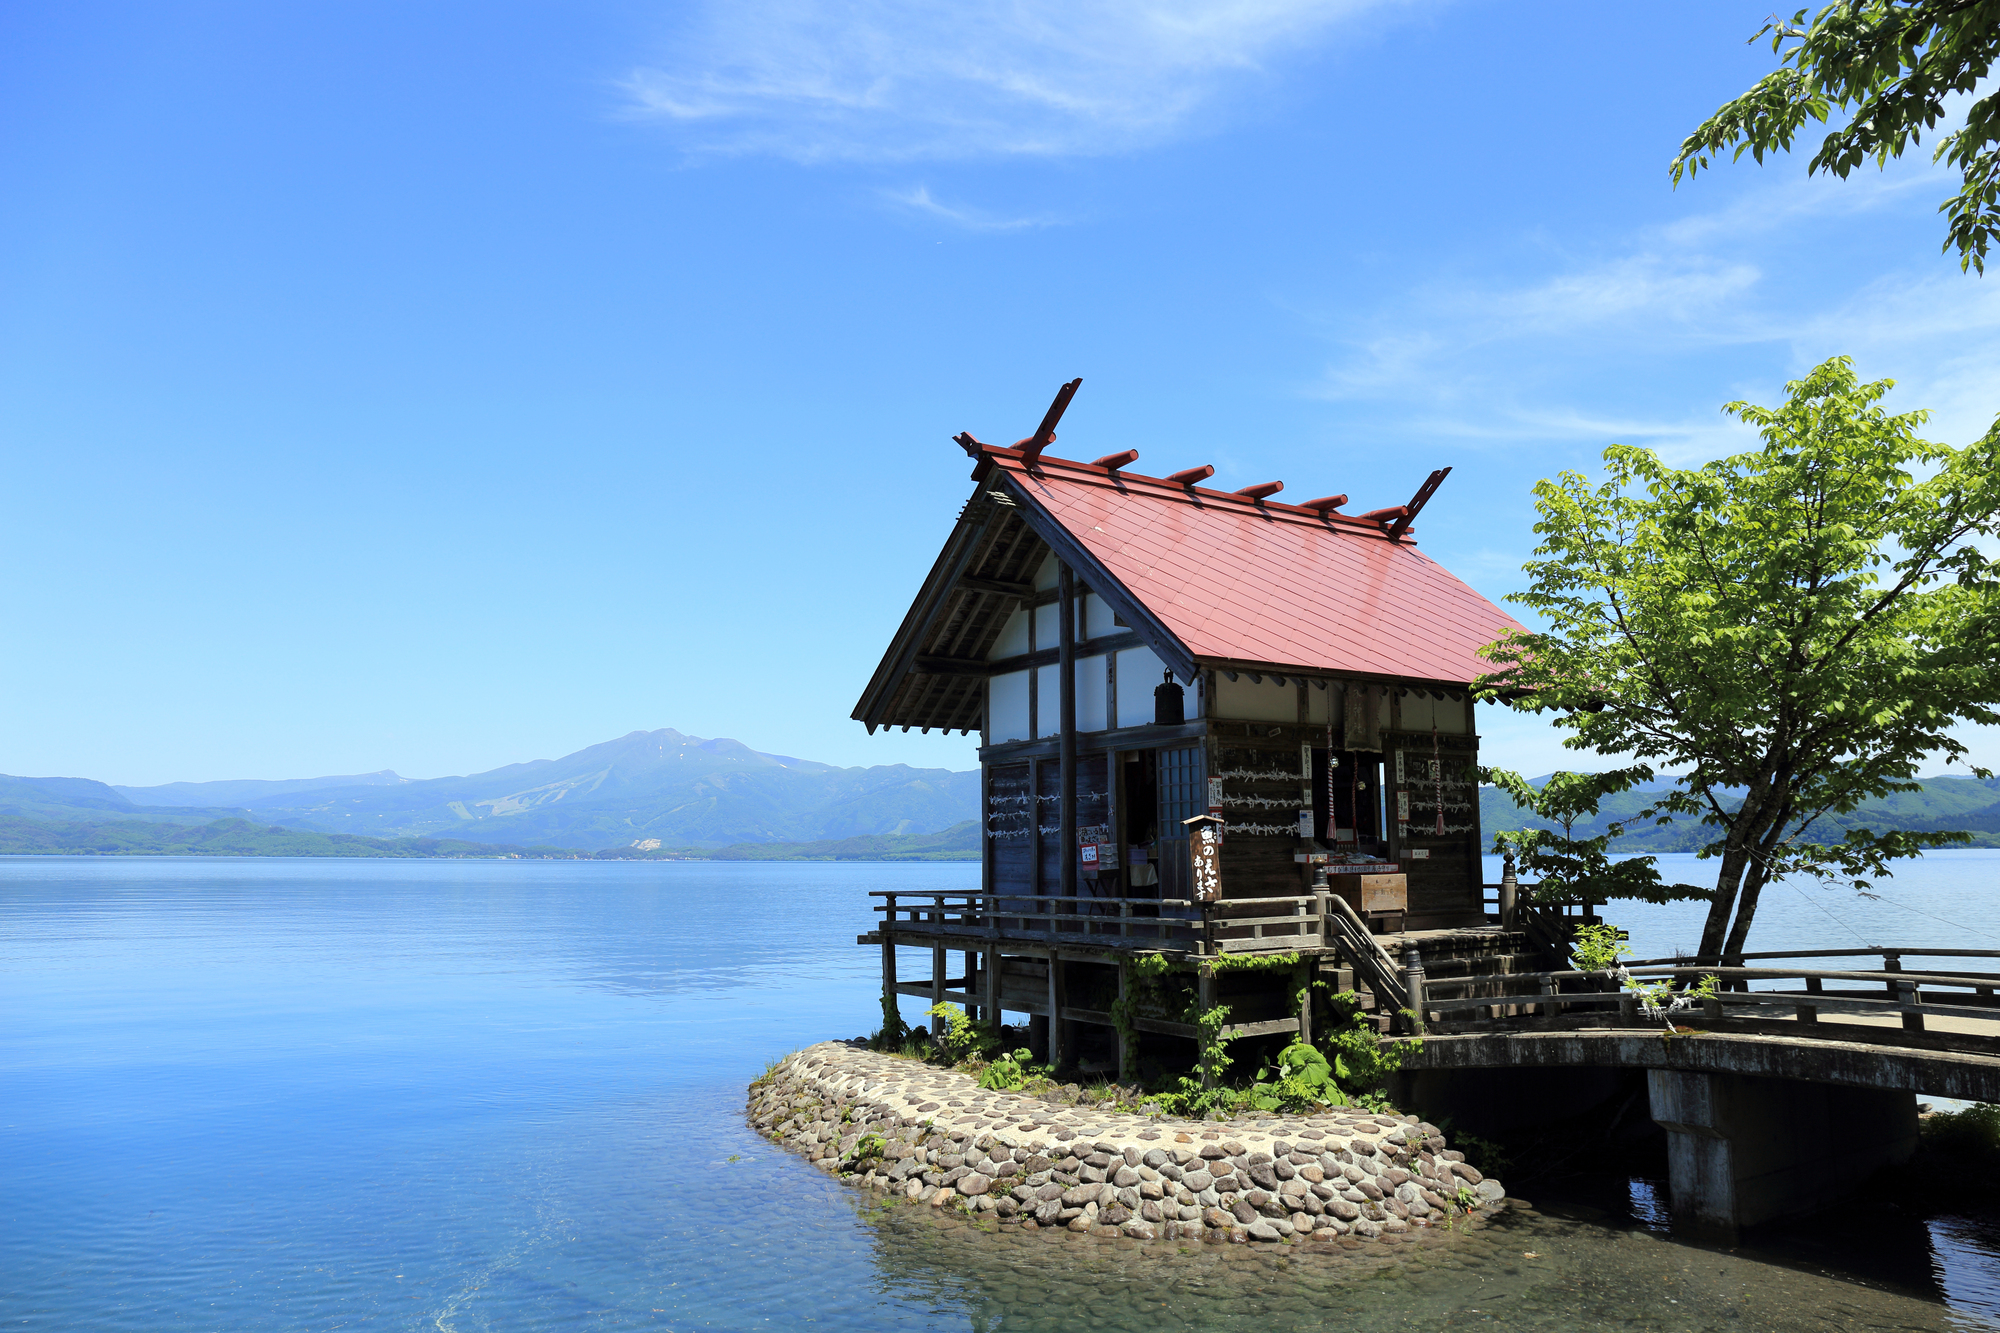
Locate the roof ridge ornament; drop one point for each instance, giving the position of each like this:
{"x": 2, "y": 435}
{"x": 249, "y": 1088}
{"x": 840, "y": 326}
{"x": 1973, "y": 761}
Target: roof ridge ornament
{"x": 1262, "y": 491}
{"x": 1188, "y": 476}
{"x": 1045, "y": 434}
{"x": 1396, "y": 519}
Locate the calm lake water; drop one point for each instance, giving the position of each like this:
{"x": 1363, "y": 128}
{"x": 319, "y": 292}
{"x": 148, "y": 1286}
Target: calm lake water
{"x": 455, "y": 1096}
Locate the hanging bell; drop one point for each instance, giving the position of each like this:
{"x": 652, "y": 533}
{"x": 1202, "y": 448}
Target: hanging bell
{"x": 1169, "y": 702}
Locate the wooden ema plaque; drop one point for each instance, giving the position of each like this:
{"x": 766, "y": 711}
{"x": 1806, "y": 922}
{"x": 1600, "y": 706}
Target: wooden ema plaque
{"x": 1380, "y": 900}
{"x": 1205, "y": 856}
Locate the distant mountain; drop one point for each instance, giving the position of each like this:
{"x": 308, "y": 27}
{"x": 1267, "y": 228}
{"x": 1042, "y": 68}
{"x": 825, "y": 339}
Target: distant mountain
{"x": 247, "y": 791}
{"x": 1944, "y": 803}
{"x": 685, "y": 791}
{"x": 84, "y": 799}
{"x": 228, "y": 837}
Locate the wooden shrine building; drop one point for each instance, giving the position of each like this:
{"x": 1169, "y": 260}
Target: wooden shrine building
{"x": 1139, "y": 653}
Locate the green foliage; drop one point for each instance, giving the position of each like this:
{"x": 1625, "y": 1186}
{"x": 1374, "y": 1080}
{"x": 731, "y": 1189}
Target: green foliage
{"x": 1569, "y": 869}
{"x": 866, "y": 1147}
{"x": 1361, "y": 1059}
{"x": 1969, "y": 1136}
{"x": 1010, "y": 1072}
{"x": 1301, "y": 1080}
{"x": 1802, "y": 624}
{"x": 962, "y": 1039}
{"x": 1598, "y": 948}
{"x": 1888, "y": 65}
{"x": 1252, "y": 962}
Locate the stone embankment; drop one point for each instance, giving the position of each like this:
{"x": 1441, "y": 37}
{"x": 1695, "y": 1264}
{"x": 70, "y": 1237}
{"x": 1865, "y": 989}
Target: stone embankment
{"x": 934, "y": 1136}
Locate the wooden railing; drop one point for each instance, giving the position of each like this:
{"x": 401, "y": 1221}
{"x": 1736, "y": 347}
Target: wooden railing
{"x": 1233, "y": 925}
{"x": 1912, "y": 995}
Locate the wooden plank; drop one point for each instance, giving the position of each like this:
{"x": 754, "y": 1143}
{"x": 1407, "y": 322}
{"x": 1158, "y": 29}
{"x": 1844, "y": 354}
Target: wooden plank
{"x": 1263, "y": 1029}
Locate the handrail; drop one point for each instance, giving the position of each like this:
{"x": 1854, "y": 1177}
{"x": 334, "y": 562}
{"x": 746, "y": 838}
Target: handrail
{"x": 1352, "y": 938}
{"x": 1886, "y": 951}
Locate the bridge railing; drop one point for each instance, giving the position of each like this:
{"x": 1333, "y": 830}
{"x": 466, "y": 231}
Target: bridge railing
{"x": 1913, "y": 996}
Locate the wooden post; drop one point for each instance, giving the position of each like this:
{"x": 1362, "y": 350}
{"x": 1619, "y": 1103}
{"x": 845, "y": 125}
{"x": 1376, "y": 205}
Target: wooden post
{"x": 1126, "y": 1055}
{"x": 1207, "y": 991}
{"x": 992, "y": 979}
{"x": 1809, "y": 1013}
{"x": 937, "y": 985}
{"x": 1413, "y": 984}
{"x": 1066, "y": 742}
{"x": 1306, "y": 1004}
{"x": 888, "y": 964}
{"x": 1058, "y": 1001}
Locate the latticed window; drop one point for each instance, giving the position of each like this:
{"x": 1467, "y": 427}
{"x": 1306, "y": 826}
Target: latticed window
{"x": 1181, "y": 794}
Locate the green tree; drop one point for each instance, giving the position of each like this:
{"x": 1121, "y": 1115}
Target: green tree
{"x": 1798, "y": 627}
{"x": 1889, "y": 64}
{"x": 1569, "y": 869}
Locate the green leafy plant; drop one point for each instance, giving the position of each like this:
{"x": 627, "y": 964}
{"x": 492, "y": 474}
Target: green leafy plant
{"x": 962, "y": 1038}
{"x": 1598, "y": 948}
{"x": 1008, "y": 1073}
{"x": 1602, "y": 947}
{"x": 866, "y": 1147}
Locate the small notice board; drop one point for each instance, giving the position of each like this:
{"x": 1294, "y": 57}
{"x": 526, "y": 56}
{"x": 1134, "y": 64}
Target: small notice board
{"x": 1205, "y": 856}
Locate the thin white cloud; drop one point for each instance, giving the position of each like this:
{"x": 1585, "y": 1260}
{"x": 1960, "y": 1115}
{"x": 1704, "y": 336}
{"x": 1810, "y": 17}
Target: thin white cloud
{"x": 897, "y": 80}
{"x": 919, "y": 200}
{"x": 1501, "y": 361}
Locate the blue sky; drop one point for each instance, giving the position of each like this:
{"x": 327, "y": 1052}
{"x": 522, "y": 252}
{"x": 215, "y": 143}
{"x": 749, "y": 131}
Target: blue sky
{"x": 438, "y": 386}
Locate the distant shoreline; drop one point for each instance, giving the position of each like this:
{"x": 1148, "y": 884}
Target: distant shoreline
{"x": 23, "y": 836}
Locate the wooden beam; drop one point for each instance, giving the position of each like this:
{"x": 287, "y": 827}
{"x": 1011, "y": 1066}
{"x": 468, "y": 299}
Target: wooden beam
{"x": 999, "y": 587}
{"x": 1000, "y": 666}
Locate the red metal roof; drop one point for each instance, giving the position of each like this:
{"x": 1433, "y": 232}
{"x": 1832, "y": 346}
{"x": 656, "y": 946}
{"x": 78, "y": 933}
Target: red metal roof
{"x": 1264, "y": 584}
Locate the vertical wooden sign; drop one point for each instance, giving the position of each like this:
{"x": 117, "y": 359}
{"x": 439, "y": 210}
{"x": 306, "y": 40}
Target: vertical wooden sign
{"x": 1205, "y": 856}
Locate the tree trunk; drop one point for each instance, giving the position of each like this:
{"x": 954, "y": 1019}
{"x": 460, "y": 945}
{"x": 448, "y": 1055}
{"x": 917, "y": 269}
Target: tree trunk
{"x": 1762, "y": 849}
{"x": 1746, "y": 912}
{"x": 1746, "y": 830}
{"x": 1719, "y": 907}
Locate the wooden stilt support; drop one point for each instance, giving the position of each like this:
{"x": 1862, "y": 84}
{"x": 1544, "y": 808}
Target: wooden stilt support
{"x": 1058, "y": 1025}
{"x": 1127, "y": 1057}
{"x": 888, "y": 974}
{"x": 991, "y": 976}
{"x": 937, "y": 988}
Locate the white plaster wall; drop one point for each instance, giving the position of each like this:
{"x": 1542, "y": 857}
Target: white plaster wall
{"x": 1049, "y": 574}
{"x": 1421, "y": 712}
{"x": 1048, "y": 627}
{"x": 1092, "y": 693}
{"x": 1048, "y": 701}
{"x": 1007, "y": 707}
{"x": 1254, "y": 702}
{"x": 1139, "y": 670}
{"x": 1098, "y": 621}
{"x": 1013, "y": 640}
{"x": 1319, "y": 703}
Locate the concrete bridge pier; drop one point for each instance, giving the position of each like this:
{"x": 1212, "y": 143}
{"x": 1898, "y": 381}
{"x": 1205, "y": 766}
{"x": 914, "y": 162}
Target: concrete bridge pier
{"x": 1743, "y": 1150}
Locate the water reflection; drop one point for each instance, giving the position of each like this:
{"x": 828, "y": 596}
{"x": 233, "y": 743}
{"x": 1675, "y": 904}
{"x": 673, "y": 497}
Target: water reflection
{"x": 1526, "y": 1270}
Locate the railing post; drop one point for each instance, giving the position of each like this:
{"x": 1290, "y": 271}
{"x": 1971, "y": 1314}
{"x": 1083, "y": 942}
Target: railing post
{"x": 1550, "y": 1007}
{"x": 889, "y": 967}
{"x": 1905, "y": 992}
{"x": 1413, "y": 984}
{"x": 1628, "y": 1009}
{"x": 1809, "y": 1013}
{"x": 1510, "y": 890}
